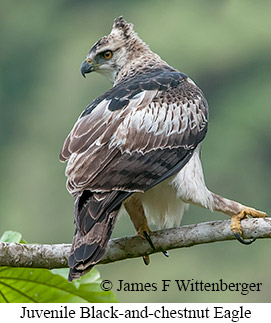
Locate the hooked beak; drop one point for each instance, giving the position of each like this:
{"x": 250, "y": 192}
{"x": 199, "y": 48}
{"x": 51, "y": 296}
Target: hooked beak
{"x": 87, "y": 67}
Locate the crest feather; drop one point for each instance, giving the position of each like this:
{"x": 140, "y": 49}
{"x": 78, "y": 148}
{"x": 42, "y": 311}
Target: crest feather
{"x": 122, "y": 25}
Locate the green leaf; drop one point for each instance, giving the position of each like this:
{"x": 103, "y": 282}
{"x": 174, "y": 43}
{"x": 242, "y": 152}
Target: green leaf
{"x": 64, "y": 272}
{"x": 27, "y": 285}
{"x": 91, "y": 277}
{"x": 12, "y": 236}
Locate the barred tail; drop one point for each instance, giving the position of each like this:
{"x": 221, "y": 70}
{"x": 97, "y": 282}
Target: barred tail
{"x": 94, "y": 224}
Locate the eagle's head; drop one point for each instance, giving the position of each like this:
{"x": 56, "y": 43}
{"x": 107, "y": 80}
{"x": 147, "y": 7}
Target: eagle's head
{"x": 111, "y": 53}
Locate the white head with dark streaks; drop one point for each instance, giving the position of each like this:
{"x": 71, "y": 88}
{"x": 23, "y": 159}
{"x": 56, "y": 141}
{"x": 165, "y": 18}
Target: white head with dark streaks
{"x": 115, "y": 52}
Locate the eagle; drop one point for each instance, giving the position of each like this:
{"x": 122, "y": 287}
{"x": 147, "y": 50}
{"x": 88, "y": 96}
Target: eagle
{"x": 137, "y": 149}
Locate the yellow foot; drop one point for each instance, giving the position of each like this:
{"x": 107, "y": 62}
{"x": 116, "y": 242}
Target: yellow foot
{"x": 236, "y": 222}
{"x": 143, "y": 228}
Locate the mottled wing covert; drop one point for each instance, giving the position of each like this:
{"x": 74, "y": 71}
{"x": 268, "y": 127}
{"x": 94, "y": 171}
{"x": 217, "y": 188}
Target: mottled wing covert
{"x": 136, "y": 133}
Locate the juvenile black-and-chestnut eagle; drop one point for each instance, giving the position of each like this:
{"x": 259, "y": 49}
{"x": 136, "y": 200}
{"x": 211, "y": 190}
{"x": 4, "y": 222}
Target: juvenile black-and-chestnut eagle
{"x": 137, "y": 147}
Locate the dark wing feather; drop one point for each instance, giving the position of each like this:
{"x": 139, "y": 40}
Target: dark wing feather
{"x": 113, "y": 149}
{"x": 136, "y": 135}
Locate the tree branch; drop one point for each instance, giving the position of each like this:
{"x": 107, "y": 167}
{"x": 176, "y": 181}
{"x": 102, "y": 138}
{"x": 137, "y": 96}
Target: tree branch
{"x": 55, "y": 256}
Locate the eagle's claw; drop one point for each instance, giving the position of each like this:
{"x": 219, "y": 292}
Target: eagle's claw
{"x": 236, "y": 222}
{"x": 148, "y": 238}
{"x": 146, "y": 260}
{"x": 240, "y": 239}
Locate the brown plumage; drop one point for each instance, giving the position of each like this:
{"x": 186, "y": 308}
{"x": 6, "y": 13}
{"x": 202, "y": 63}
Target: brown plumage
{"x": 132, "y": 140}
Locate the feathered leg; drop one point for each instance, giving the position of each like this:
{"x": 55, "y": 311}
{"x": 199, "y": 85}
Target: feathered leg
{"x": 191, "y": 188}
{"x": 136, "y": 212}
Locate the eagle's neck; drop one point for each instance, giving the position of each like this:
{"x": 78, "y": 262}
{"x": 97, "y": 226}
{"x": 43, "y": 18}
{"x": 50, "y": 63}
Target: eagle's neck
{"x": 139, "y": 59}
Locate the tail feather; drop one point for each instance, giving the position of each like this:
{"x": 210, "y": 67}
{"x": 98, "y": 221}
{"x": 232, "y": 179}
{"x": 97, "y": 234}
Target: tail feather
{"x": 94, "y": 225}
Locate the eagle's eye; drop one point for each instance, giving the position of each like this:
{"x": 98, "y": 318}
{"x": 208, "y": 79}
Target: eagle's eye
{"x": 107, "y": 54}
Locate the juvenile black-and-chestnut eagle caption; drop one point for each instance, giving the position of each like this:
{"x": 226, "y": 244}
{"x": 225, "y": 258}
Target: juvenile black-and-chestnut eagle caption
{"x": 137, "y": 148}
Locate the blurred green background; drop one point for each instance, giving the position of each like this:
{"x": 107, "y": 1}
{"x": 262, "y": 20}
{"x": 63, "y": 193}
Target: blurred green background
{"x": 224, "y": 46}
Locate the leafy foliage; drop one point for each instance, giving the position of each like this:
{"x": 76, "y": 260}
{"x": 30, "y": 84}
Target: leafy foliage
{"x": 28, "y": 285}
{"x": 12, "y": 236}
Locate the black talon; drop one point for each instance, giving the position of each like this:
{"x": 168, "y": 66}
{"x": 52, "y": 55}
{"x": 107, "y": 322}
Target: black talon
{"x": 165, "y": 253}
{"x": 147, "y": 237}
{"x": 240, "y": 239}
{"x": 146, "y": 260}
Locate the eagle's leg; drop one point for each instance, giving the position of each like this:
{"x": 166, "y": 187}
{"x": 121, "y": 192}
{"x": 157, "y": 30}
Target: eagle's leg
{"x": 237, "y": 212}
{"x": 136, "y": 212}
